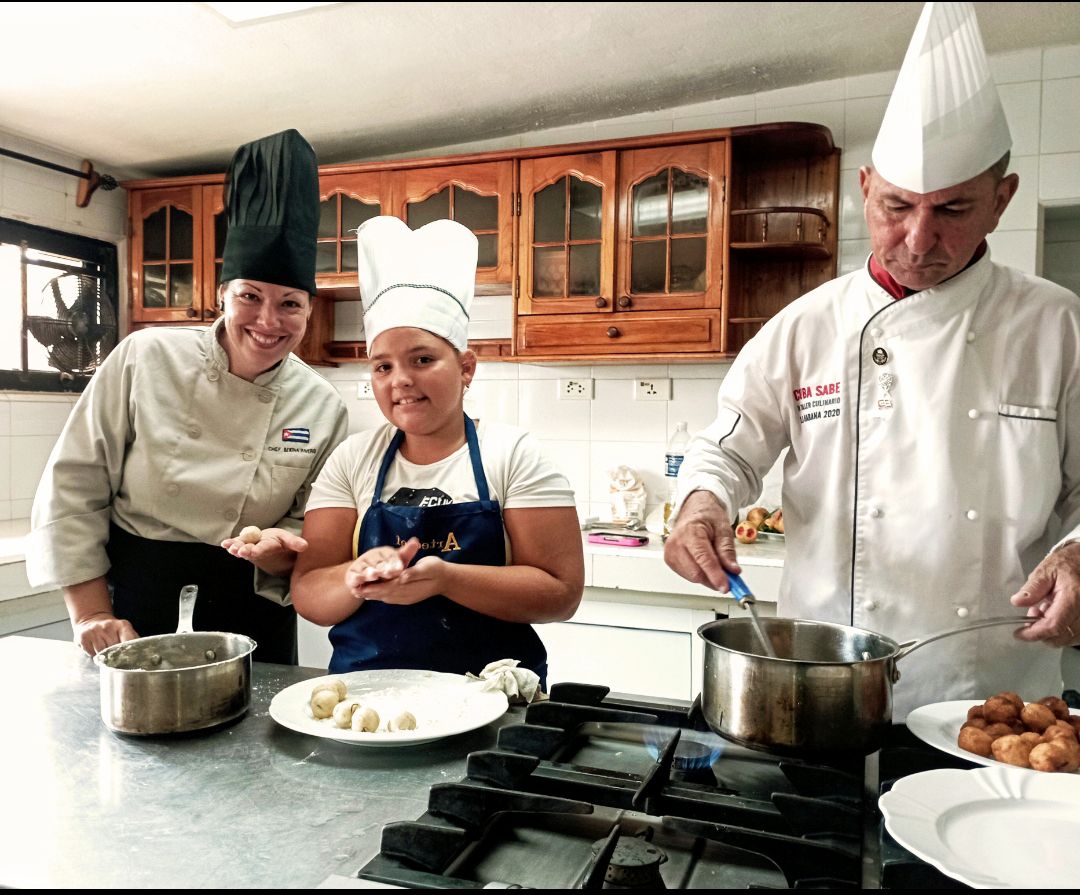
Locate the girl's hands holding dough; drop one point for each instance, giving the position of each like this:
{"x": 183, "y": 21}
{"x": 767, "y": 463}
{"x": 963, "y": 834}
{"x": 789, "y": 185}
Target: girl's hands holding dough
{"x": 383, "y": 573}
{"x": 274, "y": 551}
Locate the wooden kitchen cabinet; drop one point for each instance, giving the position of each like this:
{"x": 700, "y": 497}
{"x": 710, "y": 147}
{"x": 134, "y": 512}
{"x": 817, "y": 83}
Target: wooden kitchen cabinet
{"x": 345, "y": 202}
{"x": 173, "y": 247}
{"x": 628, "y": 237}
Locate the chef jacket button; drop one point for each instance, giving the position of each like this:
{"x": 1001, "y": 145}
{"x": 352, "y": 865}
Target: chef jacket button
{"x": 212, "y": 375}
{"x": 266, "y": 397}
{"x": 194, "y": 432}
{"x": 962, "y": 611}
{"x": 230, "y": 514}
{"x": 248, "y": 455}
{"x": 970, "y": 337}
{"x": 880, "y": 356}
{"x": 172, "y": 489}
{"x": 875, "y": 512}
{"x": 972, "y": 515}
{"x": 973, "y": 414}
{"x": 869, "y": 605}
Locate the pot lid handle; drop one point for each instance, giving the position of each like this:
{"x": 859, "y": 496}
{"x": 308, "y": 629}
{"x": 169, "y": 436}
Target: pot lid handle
{"x": 908, "y": 647}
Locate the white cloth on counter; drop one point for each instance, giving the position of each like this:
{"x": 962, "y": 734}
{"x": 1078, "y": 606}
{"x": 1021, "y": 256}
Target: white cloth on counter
{"x": 519, "y": 684}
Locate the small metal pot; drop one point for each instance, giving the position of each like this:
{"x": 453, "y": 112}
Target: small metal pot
{"x": 829, "y": 688}
{"x": 174, "y": 683}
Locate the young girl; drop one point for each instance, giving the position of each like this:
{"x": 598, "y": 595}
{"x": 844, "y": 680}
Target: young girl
{"x": 433, "y": 543}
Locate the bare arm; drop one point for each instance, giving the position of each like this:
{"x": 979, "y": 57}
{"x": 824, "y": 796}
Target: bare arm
{"x": 319, "y": 592}
{"x": 92, "y": 619}
{"x": 544, "y": 583}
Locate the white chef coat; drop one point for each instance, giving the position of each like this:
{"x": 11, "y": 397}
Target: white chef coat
{"x": 170, "y": 446}
{"x": 927, "y": 514}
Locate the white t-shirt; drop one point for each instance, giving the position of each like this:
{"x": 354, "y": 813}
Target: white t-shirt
{"x": 518, "y": 474}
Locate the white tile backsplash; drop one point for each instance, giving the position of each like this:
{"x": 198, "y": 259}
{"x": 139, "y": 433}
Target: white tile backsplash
{"x": 1059, "y": 176}
{"x": 542, "y": 413}
{"x": 29, "y": 201}
{"x": 802, "y": 94}
{"x": 619, "y": 417}
{"x": 5, "y": 468}
{"x": 1021, "y": 103}
{"x": 878, "y": 83}
{"x": 5, "y": 510}
{"x": 571, "y": 458}
{"x": 29, "y": 454}
{"x": 1061, "y": 62}
{"x": 1061, "y": 116}
{"x": 862, "y": 119}
{"x": 493, "y": 399}
{"x": 1017, "y": 248}
{"x": 1021, "y": 65}
{"x": 692, "y": 400}
{"x": 39, "y": 417}
{"x": 852, "y": 219}
{"x": 5, "y": 417}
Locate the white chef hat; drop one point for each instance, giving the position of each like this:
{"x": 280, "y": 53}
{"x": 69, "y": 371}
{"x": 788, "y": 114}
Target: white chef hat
{"x": 423, "y": 278}
{"x": 944, "y": 123}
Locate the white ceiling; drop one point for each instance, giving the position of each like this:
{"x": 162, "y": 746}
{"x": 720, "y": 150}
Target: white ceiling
{"x": 173, "y": 88}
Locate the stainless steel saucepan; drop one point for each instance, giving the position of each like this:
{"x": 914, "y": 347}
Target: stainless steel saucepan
{"x": 828, "y": 688}
{"x": 174, "y": 683}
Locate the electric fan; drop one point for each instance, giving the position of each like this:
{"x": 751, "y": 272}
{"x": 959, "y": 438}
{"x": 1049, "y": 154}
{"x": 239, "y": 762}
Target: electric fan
{"x": 84, "y": 329}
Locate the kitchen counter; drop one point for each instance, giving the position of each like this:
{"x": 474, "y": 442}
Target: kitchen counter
{"x": 250, "y": 805}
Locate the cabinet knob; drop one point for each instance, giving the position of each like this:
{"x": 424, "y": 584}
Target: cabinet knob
{"x": 613, "y": 332}
{"x": 601, "y": 302}
{"x": 624, "y": 301}
{"x": 191, "y": 312}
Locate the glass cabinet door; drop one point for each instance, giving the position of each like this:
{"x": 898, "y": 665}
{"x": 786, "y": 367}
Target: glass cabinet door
{"x": 215, "y": 228}
{"x": 345, "y": 202}
{"x": 166, "y": 254}
{"x": 567, "y": 234}
{"x": 479, "y": 197}
{"x": 671, "y": 242}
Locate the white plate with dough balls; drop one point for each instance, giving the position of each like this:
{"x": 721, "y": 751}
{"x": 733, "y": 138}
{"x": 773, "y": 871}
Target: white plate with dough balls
{"x": 441, "y": 705}
{"x": 939, "y": 725}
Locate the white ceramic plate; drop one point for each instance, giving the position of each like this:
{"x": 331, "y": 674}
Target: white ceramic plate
{"x": 992, "y": 827}
{"x": 939, "y": 726}
{"x": 444, "y": 705}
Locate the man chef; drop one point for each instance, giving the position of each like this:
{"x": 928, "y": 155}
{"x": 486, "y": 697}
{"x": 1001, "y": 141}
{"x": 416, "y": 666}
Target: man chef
{"x": 931, "y": 404}
{"x": 186, "y": 435}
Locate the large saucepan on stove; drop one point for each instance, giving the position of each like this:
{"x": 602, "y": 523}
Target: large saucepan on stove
{"x": 175, "y": 683}
{"x": 828, "y": 688}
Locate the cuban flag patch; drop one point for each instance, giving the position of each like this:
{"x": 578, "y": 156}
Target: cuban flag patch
{"x": 301, "y": 435}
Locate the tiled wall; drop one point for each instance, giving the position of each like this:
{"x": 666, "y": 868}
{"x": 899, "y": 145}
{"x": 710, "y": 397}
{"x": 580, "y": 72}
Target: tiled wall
{"x": 1040, "y": 90}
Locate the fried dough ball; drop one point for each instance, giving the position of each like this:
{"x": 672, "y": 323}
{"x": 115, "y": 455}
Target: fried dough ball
{"x": 1014, "y": 698}
{"x": 999, "y": 709}
{"x": 1031, "y": 738}
{"x": 978, "y": 723}
{"x": 1037, "y": 716}
{"x": 994, "y": 731}
{"x": 1048, "y": 757}
{"x": 972, "y": 739}
{"x": 1011, "y": 750}
{"x": 1072, "y": 750}
{"x": 1057, "y": 705}
{"x": 1059, "y": 730}
{"x": 976, "y": 711}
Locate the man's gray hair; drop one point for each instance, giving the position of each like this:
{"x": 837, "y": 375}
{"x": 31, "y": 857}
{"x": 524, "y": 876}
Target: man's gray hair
{"x": 999, "y": 167}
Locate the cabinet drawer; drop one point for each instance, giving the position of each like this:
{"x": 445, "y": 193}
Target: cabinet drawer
{"x": 634, "y": 333}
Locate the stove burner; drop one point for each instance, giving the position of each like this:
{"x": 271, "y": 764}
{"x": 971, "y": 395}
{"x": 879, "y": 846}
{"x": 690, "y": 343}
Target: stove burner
{"x": 634, "y": 864}
{"x": 693, "y": 763}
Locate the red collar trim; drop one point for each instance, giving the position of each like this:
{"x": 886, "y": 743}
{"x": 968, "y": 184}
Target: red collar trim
{"x": 886, "y": 282}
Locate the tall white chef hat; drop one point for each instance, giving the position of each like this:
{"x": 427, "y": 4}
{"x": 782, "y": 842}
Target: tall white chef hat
{"x": 423, "y": 278}
{"x": 944, "y": 123}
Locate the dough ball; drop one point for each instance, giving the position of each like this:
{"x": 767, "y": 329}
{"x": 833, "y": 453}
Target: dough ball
{"x": 335, "y": 684}
{"x": 1059, "y": 730}
{"x": 999, "y": 730}
{"x": 979, "y": 723}
{"x": 1031, "y": 738}
{"x": 972, "y": 739}
{"x": 323, "y": 701}
{"x": 1014, "y": 698}
{"x": 1057, "y": 705}
{"x": 999, "y": 709}
{"x": 1011, "y": 750}
{"x": 365, "y": 719}
{"x": 1049, "y": 757}
{"x": 250, "y": 534}
{"x": 403, "y": 721}
{"x": 976, "y": 711}
{"x": 343, "y": 714}
{"x": 1037, "y": 717}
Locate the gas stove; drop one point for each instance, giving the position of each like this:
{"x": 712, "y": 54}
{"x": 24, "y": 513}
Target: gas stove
{"x": 593, "y": 791}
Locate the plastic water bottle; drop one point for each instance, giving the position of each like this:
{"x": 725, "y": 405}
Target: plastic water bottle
{"x": 676, "y": 450}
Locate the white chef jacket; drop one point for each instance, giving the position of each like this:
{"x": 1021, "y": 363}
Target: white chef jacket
{"x": 170, "y": 446}
{"x": 919, "y": 503}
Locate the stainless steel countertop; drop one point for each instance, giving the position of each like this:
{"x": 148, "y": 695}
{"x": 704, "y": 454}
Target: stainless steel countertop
{"x": 250, "y": 805}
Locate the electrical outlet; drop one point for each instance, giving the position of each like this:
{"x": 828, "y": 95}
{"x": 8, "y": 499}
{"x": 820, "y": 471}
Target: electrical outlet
{"x": 364, "y": 390}
{"x": 652, "y": 389}
{"x": 575, "y": 389}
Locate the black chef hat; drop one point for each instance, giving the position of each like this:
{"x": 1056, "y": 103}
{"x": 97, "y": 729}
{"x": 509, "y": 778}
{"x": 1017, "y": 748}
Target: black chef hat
{"x": 272, "y": 203}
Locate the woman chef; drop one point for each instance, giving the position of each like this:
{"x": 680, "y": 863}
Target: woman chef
{"x": 185, "y": 436}
{"x": 932, "y": 405}
{"x": 433, "y": 542}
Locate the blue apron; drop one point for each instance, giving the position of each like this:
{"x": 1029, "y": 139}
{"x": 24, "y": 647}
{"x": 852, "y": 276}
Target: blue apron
{"x": 437, "y": 633}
